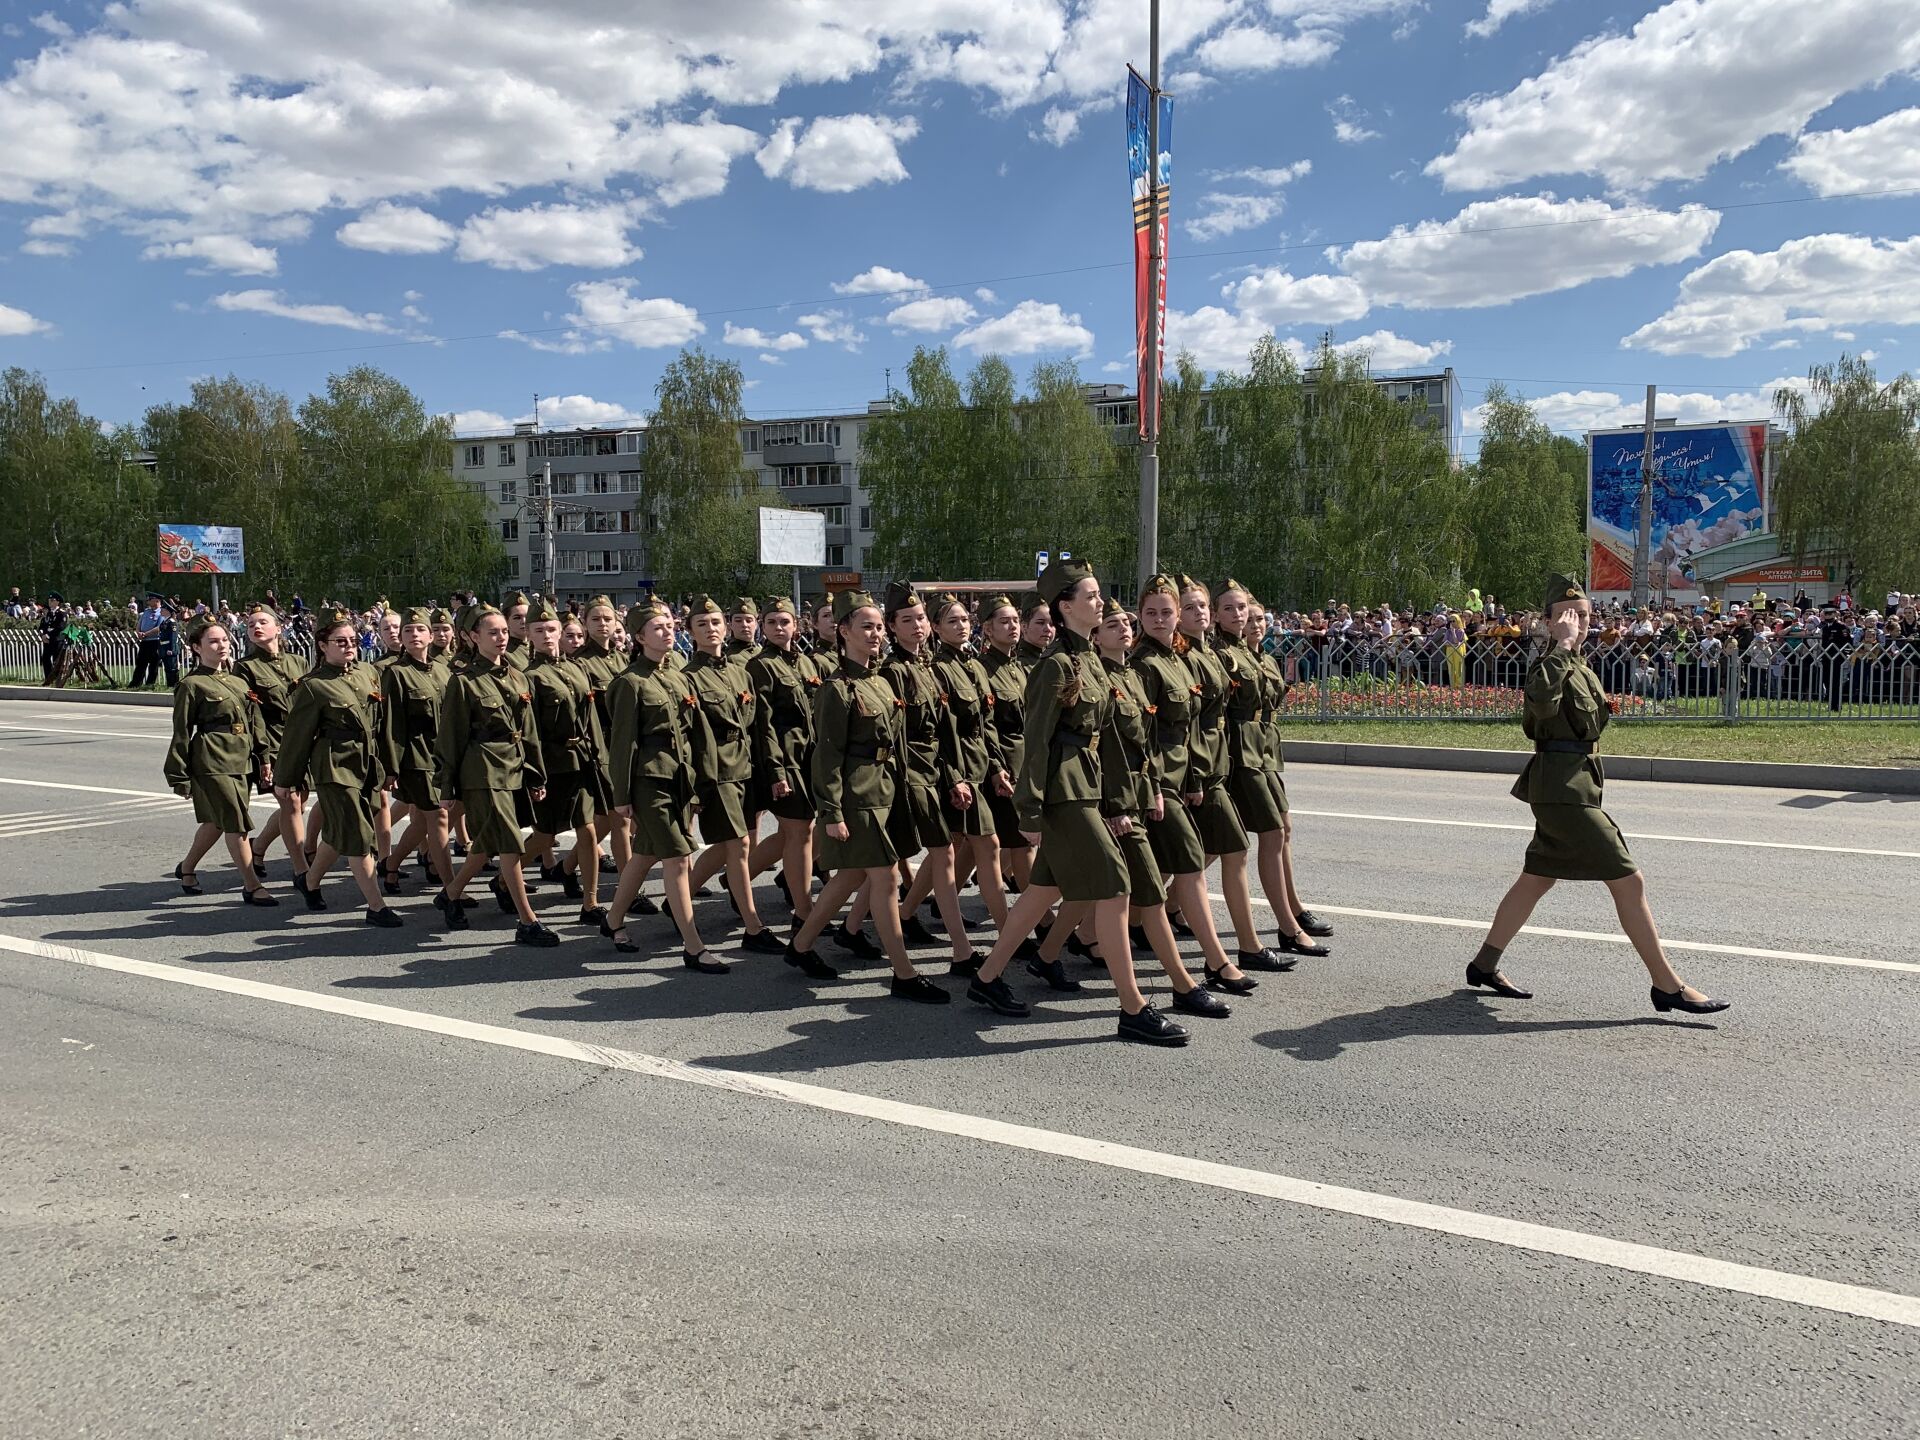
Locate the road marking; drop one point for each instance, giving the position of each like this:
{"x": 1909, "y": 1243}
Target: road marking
{"x": 109, "y": 734}
{"x": 1701, "y": 1270}
{"x": 1631, "y": 835}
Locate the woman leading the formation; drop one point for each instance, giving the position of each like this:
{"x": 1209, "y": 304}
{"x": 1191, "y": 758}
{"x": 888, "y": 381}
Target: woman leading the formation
{"x": 1573, "y": 837}
{"x": 219, "y": 746}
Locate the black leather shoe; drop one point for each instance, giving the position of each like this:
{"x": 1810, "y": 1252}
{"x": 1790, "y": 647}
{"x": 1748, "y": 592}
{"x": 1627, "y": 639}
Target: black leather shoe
{"x": 808, "y": 963}
{"x": 916, "y": 933}
{"x": 1300, "y": 944}
{"x": 385, "y": 919}
{"x": 855, "y": 943}
{"x": 969, "y": 967}
{"x": 390, "y": 881}
{"x": 645, "y": 905}
{"x": 625, "y": 947}
{"x": 1137, "y": 937}
{"x": 500, "y": 896}
{"x": 1200, "y": 1001}
{"x": 453, "y": 913}
{"x": 998, "y": 997}
{"x": 704, "y": 963}
{"x": 570, "y": 885}
{"x": 607, "y": 867}
{"x": 780, "y": 884}
{"x": 1150, "y": 1027}
{"x": 1027, "y": 950}
{"x": 315, "y": 900}
{"x": 593, "y": 917}
{"x": 1180, "y": 927}
{"x": 189, "y": 880}
{"x": 553, "y": 874}
{"x": 764, "y": 942}
{"x": 260, "y": 896}
{"x": 535, "y": 936}
{"x": 1239, "y": 985}
{"x": 1497, "y": 983}
{"x": 1263, "y": 959}
{"x": 1313, "y": 924}
{"x": 919, "y": 989}
{"x": 1663, "y": 1002}
{"x": 1054, "y": 973}
{"x": 259, "y": 869}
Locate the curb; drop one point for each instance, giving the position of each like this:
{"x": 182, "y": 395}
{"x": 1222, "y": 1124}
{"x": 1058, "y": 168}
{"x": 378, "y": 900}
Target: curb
{"x": 160, "y": 698}
{"x": 1854, "y": 779}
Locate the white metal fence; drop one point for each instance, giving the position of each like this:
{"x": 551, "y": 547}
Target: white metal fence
{"x": 114, "y": 652}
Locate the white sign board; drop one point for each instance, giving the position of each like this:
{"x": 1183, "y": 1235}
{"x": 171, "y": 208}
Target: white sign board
{"x": 792, "y": 537}
{"x": 1039, "y": 563}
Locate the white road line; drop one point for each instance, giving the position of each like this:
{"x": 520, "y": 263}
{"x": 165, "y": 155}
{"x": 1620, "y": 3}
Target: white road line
{"x": 1631, "y": 835}
{"x": 59, "y": 829}
{"x": 91, "y": 789}
{"x": 109, "y": 734}
{"x": 1702, "y": 1270}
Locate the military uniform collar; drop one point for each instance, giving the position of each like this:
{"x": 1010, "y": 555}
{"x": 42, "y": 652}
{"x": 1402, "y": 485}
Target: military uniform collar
{"x": 854, "y": 668}
{"x": 1200, "y": 642}
{"x": 591, "y": 649}
{"x": 641, "y": 665}
{"x": 1159, "y": 647}
{"x": 327, "y": 670}
{"x": 701, "y": 660}
{"x": 1027, "y": 651}
{"x": 1071, "y": 642}
{"x": 478, "y": 664}
{"x": 953, "y": 652}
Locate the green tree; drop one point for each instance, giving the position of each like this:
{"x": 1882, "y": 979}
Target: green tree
{"x": 923, "y": 474}
{"x": 1528, "y": 504}
{"x": 703, "y": 501}
{"x": 1848, "y": 478}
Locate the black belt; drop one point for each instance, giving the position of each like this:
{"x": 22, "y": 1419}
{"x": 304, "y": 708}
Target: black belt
{"x": 337, "y": 732}
{"x": 234, "y": 729}
{"x": 1072, "y": 739}
{"x": 1564, "y": 747}
{"x": 492, "y": 734}
{"x": 858, "y": 751}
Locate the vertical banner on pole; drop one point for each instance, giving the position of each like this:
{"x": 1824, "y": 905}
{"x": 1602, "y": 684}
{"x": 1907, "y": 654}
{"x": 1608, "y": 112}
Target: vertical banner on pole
{"x": 1148, "y": 288}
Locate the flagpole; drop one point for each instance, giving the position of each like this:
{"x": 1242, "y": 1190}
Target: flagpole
{"x": 1149, "y": 399}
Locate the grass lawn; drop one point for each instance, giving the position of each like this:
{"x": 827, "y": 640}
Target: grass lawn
{"x": 1814, "y": 742}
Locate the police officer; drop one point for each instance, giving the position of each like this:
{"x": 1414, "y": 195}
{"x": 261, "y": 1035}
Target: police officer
{"x": 411, "y": 689}
{"x": 1573, "y": 837}
{"x": 1836, "y": 648}
{"x": 155, "y": 629}
{"x": 571, "y": 750}
{"x": 219, "y": 746}
{"x": 53, "y": 636}
{"x": 271, "y": 673}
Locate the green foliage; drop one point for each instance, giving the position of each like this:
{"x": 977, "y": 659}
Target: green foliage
{"x": 1847, "y": 483}
{"x": 1527, "y": 501}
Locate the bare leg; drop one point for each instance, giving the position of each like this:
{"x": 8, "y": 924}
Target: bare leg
{"x": 863, "y": 903}
{"x": 985, "y": 859}
{"x": 242, "y": 854}
{"x": 269, "y": 832}
{"x": 767, "y": 849}
{"x": 382, "y": 824}
{"x": 674, "y": 879}
{"x": 1295, "y": 904}
{"x": 1153, "y": 920}
{"x": 734, "y": 861}
{"x": 632, "y": 875}
{"x": 323, "y": 857}
{"x": 832, "y": 896}
{"x": 886, "y": 922}
{"x": 514, "y": 882}
{"x": 619, "y": 832}
{"x": 1239, "y": 898}
{"x": 586, "y": 854}
{"x": 937, "y": 871}
{"x": 1017, "y": 861}
{"x": 362, "y": 868}
{"x": 1275, "y": 882}
{"x": 1515, "y": 908}
{"x": 1110, "y": 924}
{"x": 1636, "y": 919}
{"x": 203, "y": 839}
{"x": 796, "y": 838}
{"x": 1190, "y": 891}
{"x": 1025, "y": 914}
{"x": 475, "y": 862}
{"x": 1072, "y": 914}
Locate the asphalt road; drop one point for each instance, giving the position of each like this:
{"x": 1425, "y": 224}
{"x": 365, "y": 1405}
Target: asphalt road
{"x": 227, "y": 1213}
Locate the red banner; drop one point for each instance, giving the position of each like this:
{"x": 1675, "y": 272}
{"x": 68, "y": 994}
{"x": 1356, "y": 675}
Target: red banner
{"x": 1149, "y": 289}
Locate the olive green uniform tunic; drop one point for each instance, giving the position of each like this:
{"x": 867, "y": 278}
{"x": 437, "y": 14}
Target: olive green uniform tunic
{"x": 601, "y": 665}
{"x": 722, "y": 745}
{"x": 1128, "y": 782}
{"x": 918, "y": 817}
{"x": 332, "y": 742}
{"x": 488, "y": 753}
{"x": 1059, "y": 790}
{"x": 518, "y": 653}
{"x": 1273, "y": 699}
{"x": 409, "y": 724}
{"x": 571, "y": 745}
{"x": 650, "y": 755}
{"x": 1007, "y": 675}
{"x": 218, "y": 744}
{"x": 1169, "y": 688}
{"x": 1566, "y": 711}
{"x": 1209, "y": 752}
{"x": 270, "y": 682}
{"x": 785, "y": 683}
{"x": 1248, "y": 783}
{"x": 857, "y": 767}
{"x": 969, "y": 745}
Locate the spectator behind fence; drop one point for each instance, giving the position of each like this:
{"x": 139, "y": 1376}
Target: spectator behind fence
{"x": 154, "y": 629}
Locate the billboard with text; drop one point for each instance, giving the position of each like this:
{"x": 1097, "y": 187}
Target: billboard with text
{"x": 1709, "y": 488}
{"x": 202, "y": 550}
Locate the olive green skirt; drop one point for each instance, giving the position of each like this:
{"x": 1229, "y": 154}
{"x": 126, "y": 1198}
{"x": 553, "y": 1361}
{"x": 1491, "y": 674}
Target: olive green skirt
{"x": 661, "y": 825}
{"x": 1146, "y": 887}
{"x": 493, "y": 822}
{"x": 346, "y": 818}
{"x": 796, "y": 805}
{"x": 917, "y": 820}
{"x": 974, "y": 820}
{"x": 1256, "y": 802}
{"x": 1577, "y": 842}
{"x": 416, "y": 788}
{"x": 1078, "y": 854}
{"x": 868, "y": 845}
{"x": 1176, "y": 843}
{"x": 222, "y": 800}
{"x": 1221, "y": 832}
{"x": 568, "y": 803}
{"x": 1006, "y": 824}
{"x": 723, "y": 810}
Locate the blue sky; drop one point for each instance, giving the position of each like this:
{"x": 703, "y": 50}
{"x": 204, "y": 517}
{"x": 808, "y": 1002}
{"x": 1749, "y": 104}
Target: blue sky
{"x": 493, "y": 199}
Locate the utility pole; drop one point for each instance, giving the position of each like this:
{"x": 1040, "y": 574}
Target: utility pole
{"x": 1149, "y": 401}
{"x": 1643, "y": 539}
{"x": 546, "y": 525}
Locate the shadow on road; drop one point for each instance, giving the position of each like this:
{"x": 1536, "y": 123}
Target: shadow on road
{"x": 1460, "y": 1014}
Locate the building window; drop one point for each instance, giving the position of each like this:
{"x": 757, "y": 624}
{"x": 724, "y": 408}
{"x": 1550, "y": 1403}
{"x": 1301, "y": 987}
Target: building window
{"x": 866, "y": 517}
{"x": 836, "y": 514}
{"x": 509, "y": 490}
{"x": 509, "y": 529}
{"x": 750, "y": 440}
{"x": 506, "y": 454}
{"x": 819, "y": 432}
{"x": 476, "y": 456}
{"x": 513, "y": 567}
{"x": 630, "y": 443}
{"x": 600, "y": 483}
{"x": 570, "y": 522}
{"x": 629, "y": 482}
{"x": 836, "y": 555}
{"x": 866, "y": 557}
{"x": 563, "y": 484}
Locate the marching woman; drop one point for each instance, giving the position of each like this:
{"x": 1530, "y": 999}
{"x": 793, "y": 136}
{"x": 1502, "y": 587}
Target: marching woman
{"x": 650, "y": 765}
{"x": 1058, "y": 796}
{"x": 488, "y": 751}
{"x": 271, "y": 673}
{"x": 573, "y": 635}
{"x": 785, "y": 681}
{"x": 411, "y": 688}
{"x": 219, "y": 746}
{"x": 1273, "y": 696}
{"x": 1007, "y": 681}
{"x": 1169, "y": 690}
{"x": 856, "y": 775}
{"x": 970, "y": 747}
{"x": 1253, "y": 784}
{"x": 601, "y": 658}
{"x": 332, "y": 742}
{"x": 723, "y": 762}
{"x": 570, "y": 751}
{"x": 442, "y": 647}
{"x": 1573, "y": 838}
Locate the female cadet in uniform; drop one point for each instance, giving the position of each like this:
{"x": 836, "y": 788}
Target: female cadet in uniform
{"x": 573, "y": 635}
{"x": 1573, "y": 838}
{"x": 919, "y": 819}
{"x": 723, "y": 762}
{"x": 219, "y": 746}
{"x": 650, "y": 766}
{"x": 1273, "y": 695}
{"x": 271, "y": 673}
{"x": 1007, "y": 676}
{"x": 856, "y": 779}
{"x": 411, "y": 688}
{"x": 601, "y": 658}
{"x": 1252, "y": 784}
{"x": 570, "y": 750}
{"x": 441, "y": 650}
{"x": 785, "y": 681}
{"x": 332, "y": 740}
{"x": 1058, "y": 796}
{"x": 1169, "y": 688}
{"x": 488, "y": 750}
{"x": 970, "y": 746}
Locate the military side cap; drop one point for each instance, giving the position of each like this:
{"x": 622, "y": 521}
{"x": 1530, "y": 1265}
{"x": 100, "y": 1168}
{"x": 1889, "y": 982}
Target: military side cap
{"x": 1061, "y": 576}
{"x": 640, "y": 613}
{"x": 703, "y": 605}
{"x": 471, "y": 617}
{"x": 417, "y": 615}
{"x": 996, "y": 602}
{"x": 743, "y": 605}
{"x": 200, "y": 627}
{"x": 1560, "y": 589}
{"x": 940, "y": 602}
{"x": 518, "y": 597}
{"x": 541, "y": 609}
{"x": 848, "y": 601}
{"x": 1112, "y": 609}
{"x": 777, "y": 605}
{"x": 1187, "y": 582}
{"x": 1030, "y": 601}
{"x": 1231, "y": 584}
{"x": 333, "y": 615}
{"x": 900, "y": 596}
{"x": 439, "y": 617}
{"x": 1161, "y": 584}
{"x": 600, "y": 602}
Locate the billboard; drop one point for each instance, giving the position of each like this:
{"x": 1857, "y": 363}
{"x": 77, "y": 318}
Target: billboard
{"x": 792, "y": 537}
{"x": 202, "y": 550}
{"x": 1709, "y": 488}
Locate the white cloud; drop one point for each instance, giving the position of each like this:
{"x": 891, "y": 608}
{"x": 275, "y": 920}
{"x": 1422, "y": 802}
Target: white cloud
{"x": 609, "y": 308}
{"x": 986, "y": 296}
{"x": 479, "y": 422}
{"x": 557, "y": 412}
{"x": 1271, "y": 176}
{"x": 1496, "y": 251}
{"x": 1278, "y": 298}
{"x": 1252, "y": 47}
{"x": 594, "y": 236}
{"x": 570, "y": 342}
{"x": 879, "y": 280}
{"x": 396, "y": 230}
{"x": 1389, "y": 351}
{"x": 271, "y": 302}
{"x": 1031, "y": 327}
{"x": 838, "y": 153}
{"x": 1217, "y": 339}
{"x": 771, "y": 360}
{"x": 833, "y": 327}
{"x": 931, "y": 315}
{"x": 1501, "y": 11}
{"x": 1348, "y": 118}
{"x": 1693, "y": 83}
{"x": 749, "y": 338}
{"x": 18, "y": 322}
{"x": 1573, "y": 411}
{"x": 223, "y": 252}
{"x": 51, "y": 23}
{"x": 1882, "y": 156}
{"x": 1226, "y": 212}
{"x": 1817, "y": 284}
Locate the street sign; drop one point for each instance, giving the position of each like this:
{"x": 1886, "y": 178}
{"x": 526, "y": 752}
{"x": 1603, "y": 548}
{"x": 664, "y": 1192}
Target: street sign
{"x": 841, "y": 580}
{"x": 1040, "y": 558}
